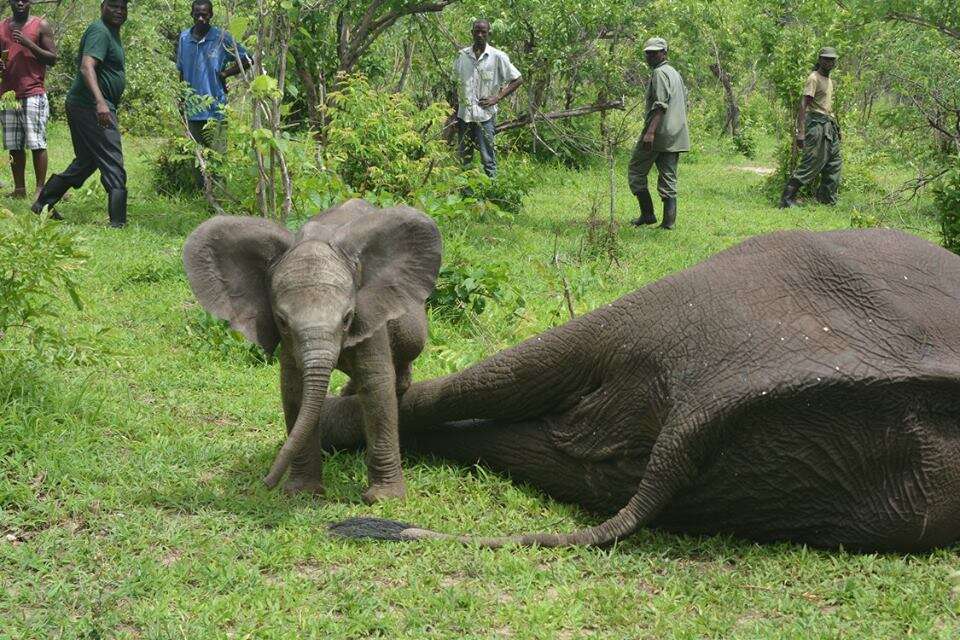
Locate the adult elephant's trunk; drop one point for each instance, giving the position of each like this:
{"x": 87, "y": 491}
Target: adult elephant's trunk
{"x": 317, "y": 364}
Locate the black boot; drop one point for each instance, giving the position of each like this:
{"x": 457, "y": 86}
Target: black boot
{"x": 669, "y": 213}
{"x": 647, "y": 216}
{"x": 50, "y": 195}
{"x": 789, "y": 193}
{"x": 117, "y": 207}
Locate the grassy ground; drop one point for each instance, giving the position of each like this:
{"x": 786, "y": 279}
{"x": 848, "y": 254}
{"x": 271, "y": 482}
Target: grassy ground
{"x": 130, "y": 495}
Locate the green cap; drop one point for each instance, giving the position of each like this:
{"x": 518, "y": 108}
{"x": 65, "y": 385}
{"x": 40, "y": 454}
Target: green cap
{"x": 828, "y": 52}
{"x": 655, "y": 44}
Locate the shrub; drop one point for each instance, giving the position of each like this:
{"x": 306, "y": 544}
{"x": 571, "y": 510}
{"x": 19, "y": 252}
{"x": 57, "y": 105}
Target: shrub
{"x": 214, "y": 336}
{"x": 946, "y": 195}
{"x": 38, "y": 261}
{"x": 173, "y": 170}
{"x": 514, "y": 181}
{"x": 464, "y": 289}
{"x": 384, "y": 144}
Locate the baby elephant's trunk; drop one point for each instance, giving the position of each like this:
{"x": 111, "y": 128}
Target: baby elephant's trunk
{"x": 316, "y": 378}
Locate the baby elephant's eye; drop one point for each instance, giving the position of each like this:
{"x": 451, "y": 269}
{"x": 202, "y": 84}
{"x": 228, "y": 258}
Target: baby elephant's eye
{"x": 347, "y": 318}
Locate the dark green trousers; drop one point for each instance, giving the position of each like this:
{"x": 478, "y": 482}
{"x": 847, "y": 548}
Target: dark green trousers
{"x": 821, "y": 157}
{"x": 643, "y": 160}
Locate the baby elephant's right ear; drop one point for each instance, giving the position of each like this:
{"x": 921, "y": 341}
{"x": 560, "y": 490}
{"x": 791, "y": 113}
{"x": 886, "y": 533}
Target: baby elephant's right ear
{"x": 226, "y": 259}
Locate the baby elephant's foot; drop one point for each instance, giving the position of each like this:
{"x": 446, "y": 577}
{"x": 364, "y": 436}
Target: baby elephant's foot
{"x": 385, "y": 491}
{"x": 303, "y": 484}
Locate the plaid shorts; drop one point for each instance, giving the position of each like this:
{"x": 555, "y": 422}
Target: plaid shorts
{"x": 26, "y": 127}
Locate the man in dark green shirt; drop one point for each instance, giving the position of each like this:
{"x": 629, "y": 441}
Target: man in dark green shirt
{"x": 92, "y": 115}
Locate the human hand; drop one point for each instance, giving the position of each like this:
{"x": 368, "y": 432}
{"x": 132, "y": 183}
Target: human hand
{"x": 647, "y": 140}
{"x": 19, "y": 38}
{"x": 486, "y": 103}
{"x": 104, "y": 117}
{"x": 799, "y": 139}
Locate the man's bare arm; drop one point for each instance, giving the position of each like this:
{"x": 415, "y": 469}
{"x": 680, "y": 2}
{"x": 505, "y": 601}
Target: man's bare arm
{"x": 802, "y": 118}
{"x": 45, "y": 50}
{"x": 651, "y": 133}
{"x": 507, "y": 89}
{"x": 88, "y": 70}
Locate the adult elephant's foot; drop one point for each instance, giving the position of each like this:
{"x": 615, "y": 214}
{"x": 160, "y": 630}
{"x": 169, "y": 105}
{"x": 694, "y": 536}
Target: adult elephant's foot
{"x": 304, "y": 484}
{"x": 385, "y": 491}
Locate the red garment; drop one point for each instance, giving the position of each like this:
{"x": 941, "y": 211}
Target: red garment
{"x": 25, "y": 74}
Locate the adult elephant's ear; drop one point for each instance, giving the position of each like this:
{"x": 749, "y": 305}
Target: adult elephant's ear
{"x": 398, "y": 255}
{"x": 226, "y": 259}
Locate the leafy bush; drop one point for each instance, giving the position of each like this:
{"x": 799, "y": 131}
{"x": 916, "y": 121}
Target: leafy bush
{"x": 514, "y": 181}
{"x": 464, "y": 289}
{"x": 947, "y": 198}
{"x": 383, "y": 143}
{"x": 744, "y": 142}
{"x": 174, "y": 169}
{"x": 38, "y": 261}
{"x": 215, "y": 336}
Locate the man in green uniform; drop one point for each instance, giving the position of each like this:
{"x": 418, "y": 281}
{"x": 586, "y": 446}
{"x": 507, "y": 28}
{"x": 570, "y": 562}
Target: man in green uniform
{"x": 818, "y": 135}
{"x": 92, "y": 116}
{"x": 664, "y": 138}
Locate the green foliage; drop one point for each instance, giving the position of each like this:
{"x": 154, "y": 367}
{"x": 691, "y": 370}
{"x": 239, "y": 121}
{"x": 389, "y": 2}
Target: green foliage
{"x": 947, "y": 199}
{"x": 744, "y": 142}
{"x": 465, "y": 289}
{"x": 385, "y": 144}
{"x": 215, "y": 337}
{"x": 514, "y": 180}
{"x": 174, "y": 167}
{"x": 39, "y": 261}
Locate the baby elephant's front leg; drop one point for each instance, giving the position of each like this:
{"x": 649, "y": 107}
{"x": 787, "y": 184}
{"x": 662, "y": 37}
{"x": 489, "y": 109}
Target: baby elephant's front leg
{"x": 376, "y": 391}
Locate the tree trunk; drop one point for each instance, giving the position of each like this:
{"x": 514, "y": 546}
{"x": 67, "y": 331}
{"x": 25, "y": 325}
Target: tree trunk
{"x": 732, "y": 124}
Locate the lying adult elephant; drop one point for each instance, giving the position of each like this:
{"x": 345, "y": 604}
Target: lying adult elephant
{"x": 347, "y": 291}
{"x": 799, "y": 386}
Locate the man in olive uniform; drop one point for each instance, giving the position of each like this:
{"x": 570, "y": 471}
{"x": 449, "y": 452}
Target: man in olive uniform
{"x": 818, "y": 135}
{"x": 92, "y": 116}
{"x": 664, "y": 138}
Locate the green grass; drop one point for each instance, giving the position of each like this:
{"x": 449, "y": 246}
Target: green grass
{"x": 130, "y": 495}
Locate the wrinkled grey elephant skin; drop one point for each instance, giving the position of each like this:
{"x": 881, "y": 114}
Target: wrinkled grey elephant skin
{"x": 799, "y": 386}
{"x": 347, "y": 292}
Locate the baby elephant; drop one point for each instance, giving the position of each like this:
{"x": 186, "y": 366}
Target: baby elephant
{"x": 346, "y": 292}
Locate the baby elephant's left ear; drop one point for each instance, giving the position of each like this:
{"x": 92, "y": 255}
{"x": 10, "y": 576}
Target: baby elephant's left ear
{"x": 398, "y": 255}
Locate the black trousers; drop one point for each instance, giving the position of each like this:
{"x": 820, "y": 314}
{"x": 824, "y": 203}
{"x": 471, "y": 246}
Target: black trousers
{"x": 94, "y": 147}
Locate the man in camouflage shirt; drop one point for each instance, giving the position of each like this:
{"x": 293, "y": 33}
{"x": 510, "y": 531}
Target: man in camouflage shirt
{"x": 818, "y": 135}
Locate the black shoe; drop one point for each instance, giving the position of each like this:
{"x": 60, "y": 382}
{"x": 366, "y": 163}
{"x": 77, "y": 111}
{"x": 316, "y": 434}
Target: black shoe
{"x": 117, "y": 207}
{"x": 789, "y": 193}
{"x": 669, "y": 213}
{"x": 647, "y": 215}
{"x": 38, "y": 207}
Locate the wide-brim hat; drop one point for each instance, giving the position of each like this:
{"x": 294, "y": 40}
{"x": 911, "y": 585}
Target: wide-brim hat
{"x": 655, "y": 44}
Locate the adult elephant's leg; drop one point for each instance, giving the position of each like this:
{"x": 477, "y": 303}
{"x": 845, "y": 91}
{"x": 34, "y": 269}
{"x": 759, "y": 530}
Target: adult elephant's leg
{"x": 306, "y": 473}
{"x": 527, "y": 452}
{"x": 549, "y": 373}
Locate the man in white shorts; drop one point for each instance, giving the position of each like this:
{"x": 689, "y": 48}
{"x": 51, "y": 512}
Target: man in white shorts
{"x": 27, "y": 48}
